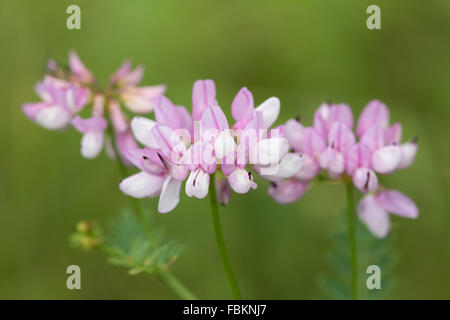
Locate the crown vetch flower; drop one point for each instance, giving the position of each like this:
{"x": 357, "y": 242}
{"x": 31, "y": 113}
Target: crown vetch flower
{"x": 61, "y": 100}
{"x": 194, "y": 151}
{"x": 331, "y": 145}
{"x": 136, "y": 99}
{"x": 374, "y": 209}
{"x": 92, "y": 129}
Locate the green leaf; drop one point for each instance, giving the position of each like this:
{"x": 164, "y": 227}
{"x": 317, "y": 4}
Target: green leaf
{"x": 140, "y": 249}
{"x": 129, "y": 242}
{"x": 335, "y": 283}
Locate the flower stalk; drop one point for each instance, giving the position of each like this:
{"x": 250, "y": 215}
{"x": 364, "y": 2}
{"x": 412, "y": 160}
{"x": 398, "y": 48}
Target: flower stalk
{"x": 166, "y": 276}
{"x": 221, "y": 243}
{"x": 352, "y": 238}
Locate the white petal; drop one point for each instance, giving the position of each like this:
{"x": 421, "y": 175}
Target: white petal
{"x": 142, "y": 185}
{"x": 197, "y": 184}
{"x": 224, "y": 145}
{"x": 374, "y": 216}
{"x": 91, "y": 144}
{"x": 170, "y": 195}
{"x": 409, "y": 151}
{"x": 386, "y": 159}
{"x": 290, "y": 165}
{"x": 239, "y": 180}
{"x": 53, "y": 117}
{"x": 271, "y": 150}
{"x": 270, "y": 110}
{"x": 142, "y": 130}
{"x": 201, "y": 185}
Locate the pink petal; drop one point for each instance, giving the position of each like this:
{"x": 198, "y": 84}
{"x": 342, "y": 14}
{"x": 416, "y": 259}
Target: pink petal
{"x": 79, "y": 69}
{"x": 341, "y": 113}
{"x": 294, "y": 132}
{"x": 365, "y": 180}
{"x": 373, "y": 138}
{"x": 397, "y": 203}
{"x": 341, "y": 137}
{"x": 94, "y": 124}
{"x": 287, "y": 191}
{"x": 203, "y": 97}
{"x": 242, "y": 105}
{"x": 214, "y": 118}
{"x": 166, "y": 113}
{"x": 375, "y": 113}
{"x": 374, "y": 216}
{"x": 186, "y": 120}
{"x": 393, "y": 134}
{"x": 223, "y": 192}
{"x": 308, "y": 170}
{"x": 312, "y": 143}
{"x": 169, "y": 142}
{"x": 32, "y": 109}
{"x": 117, "y": 117}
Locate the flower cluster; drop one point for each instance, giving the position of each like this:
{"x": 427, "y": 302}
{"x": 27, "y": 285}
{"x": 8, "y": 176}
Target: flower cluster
{"x": 179, "y": 146}
{"x": 330, "y": 145}
{"x": 67, "y": 93}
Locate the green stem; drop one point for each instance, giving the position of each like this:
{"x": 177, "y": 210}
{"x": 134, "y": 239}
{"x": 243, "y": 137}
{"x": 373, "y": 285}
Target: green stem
{"x": 220, "y": 242}
{"x": 166, "y": 276}
{"x": 173, "y": 283}
{"x": 351, "y": 236}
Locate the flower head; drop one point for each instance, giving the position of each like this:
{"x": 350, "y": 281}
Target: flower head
{"x": 192, "y": 148}
{"x": 332, "y": 146}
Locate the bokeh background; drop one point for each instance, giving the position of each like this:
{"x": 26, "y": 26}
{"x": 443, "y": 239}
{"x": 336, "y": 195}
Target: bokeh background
{"x": 304, "y": 52}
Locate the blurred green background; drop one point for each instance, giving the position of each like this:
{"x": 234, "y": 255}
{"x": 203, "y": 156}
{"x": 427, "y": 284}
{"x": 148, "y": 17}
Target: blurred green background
{"x": 304, "y": 52}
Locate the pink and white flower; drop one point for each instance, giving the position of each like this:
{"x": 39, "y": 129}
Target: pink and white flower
{"x": 374, "y": 209}
{"x": 136, "y": 99}
{"x": 61, "y": 101}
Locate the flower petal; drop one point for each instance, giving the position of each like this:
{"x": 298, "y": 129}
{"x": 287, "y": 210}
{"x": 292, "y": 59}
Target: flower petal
{"x": 271, "y": 150}
{"x": 409, "y": 151}
{"x": 242, "y": 105}
{"x": 395, "y": 202}
{"x": 386, "y": 159}
{"x": 224, "y": 144}
{"x": 308, "y": 170}
{"x": 365, "y": 180}
{"x": 287, "y": 191}
{"x": 91, "y": 144}
{"x": 240, "y": 180}
{"x": 170, "y": 195}
{"x": 203, "y": 97}
{"x": 214, "y": 118}
{"x": 270, "y": 110}
{"x": 375, "y": 113}
{"x": 294, "y": 132}
{"x": 141, "y": 185}
{"x": 142, "y": 131}
{"x": 53, "y": 118}
{"x": 166, "y": 113}
{"x": 197, "y": 184}
{"x": 374, "y": 216}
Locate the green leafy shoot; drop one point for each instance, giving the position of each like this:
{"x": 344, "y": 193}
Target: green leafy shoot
{"x": 128, "y": 243}
{"x": 335, "y": 283}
